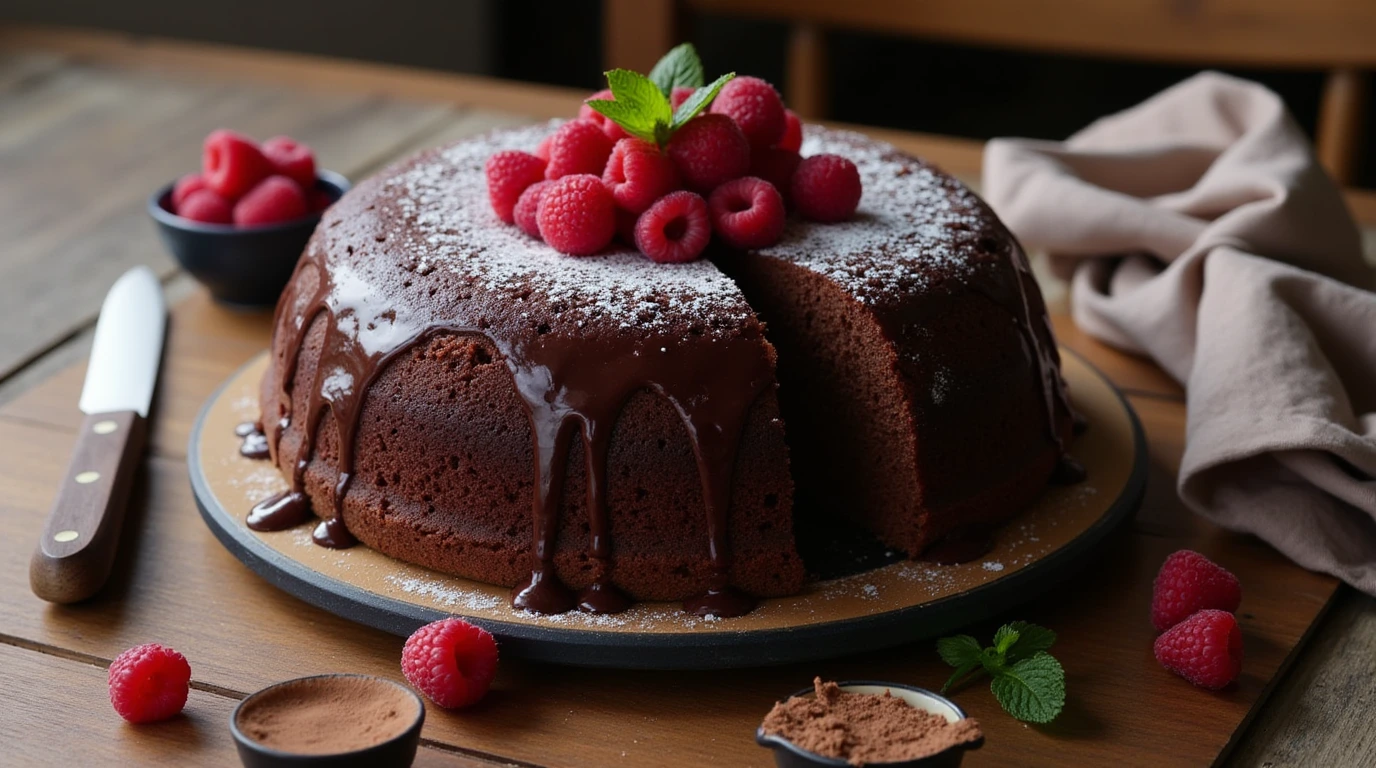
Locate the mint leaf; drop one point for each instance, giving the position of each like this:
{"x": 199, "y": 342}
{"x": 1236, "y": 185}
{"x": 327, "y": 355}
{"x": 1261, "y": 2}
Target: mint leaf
{"x": 700, "y": 99}
{"x": 959, "y": 676}
{"x": 680, "y": 67}
{"x": 633, "y": 122}
{"x": 1004, "y": 639}
{"x": 1033, "y": 689}
{"x": 959, "y": 651}
{"x": 1032, "y": 640}
{"x": 643, "y": 111}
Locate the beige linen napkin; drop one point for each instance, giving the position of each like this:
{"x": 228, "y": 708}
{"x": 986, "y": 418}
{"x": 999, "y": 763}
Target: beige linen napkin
{"x": 1198, "y": 228}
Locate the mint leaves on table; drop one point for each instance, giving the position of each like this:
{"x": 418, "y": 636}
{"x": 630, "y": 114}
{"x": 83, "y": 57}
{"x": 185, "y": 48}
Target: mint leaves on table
{"x": 1028, "y": 682}
{"x": 641, "y": 105}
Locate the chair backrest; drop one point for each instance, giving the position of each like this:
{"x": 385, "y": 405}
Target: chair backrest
{"x": 1336, "y": 36}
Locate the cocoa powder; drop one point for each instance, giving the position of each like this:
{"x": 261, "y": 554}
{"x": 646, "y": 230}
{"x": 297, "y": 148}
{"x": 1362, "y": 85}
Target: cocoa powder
{"x": 328, "y": 715}
{"x": 864, "y": 728}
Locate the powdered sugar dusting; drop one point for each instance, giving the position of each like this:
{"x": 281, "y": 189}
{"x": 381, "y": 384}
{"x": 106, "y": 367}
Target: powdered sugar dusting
{"x": 449, "y": 225}
{"x": 914, "y": 228}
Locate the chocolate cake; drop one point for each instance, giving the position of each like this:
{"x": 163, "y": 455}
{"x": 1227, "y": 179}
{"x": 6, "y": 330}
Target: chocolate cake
{"x": 596, "y": 430}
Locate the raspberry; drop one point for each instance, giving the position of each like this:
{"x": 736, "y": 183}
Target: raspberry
{"x": 679, "y": 95}
{"x": 204, "y": 205}
{"x": 191, "y": 182}
{"x": 756, "y": 108}
{"x": 542, "y": 149}
{"x": 292, "y": 159}
{"x": 776, "y": 166}
{"x": 825, "y": 188}
{"x": 586, "y": 112}
{"x": 451, "y": 661}
{"x": 577, "y": 215}
{"x": 508, "y": 175}
{"x": 232, "y": 164}
{"x": 149, "y": 683}
{"x": 275, "y": 199}
{"x": 709, "y": 150}
{"x": 675, "y": 229}
{"x": 793, "y": 132}
{"x": 638, "y": 174}
{"x": 528, "y": 207}
{"x": 578, "y": 146}
{"x": 1205, "y": 649}
{"x": 1189, "y": 582}
{"x": 747, "y": 213}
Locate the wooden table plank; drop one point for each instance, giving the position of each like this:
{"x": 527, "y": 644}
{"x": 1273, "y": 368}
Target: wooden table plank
{"x": 48, "y": 699}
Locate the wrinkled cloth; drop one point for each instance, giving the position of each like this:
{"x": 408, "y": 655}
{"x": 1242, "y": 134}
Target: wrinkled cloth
{"x": 1199, "y": 229}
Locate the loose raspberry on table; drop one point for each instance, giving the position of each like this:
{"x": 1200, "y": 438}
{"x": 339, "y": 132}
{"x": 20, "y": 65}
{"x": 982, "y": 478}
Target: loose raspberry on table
{"x": 542, "y": 149}
{"x": 191, "y": 182}
{"x": 756, "y": 107}
{"x": 675, "y": 229}
{"x": 275, "y": 199}
{"x": 1189, "y": 582}
{"x": 709, "y": 150}
{"x": 451, "y": 661}
{"x": 680, "y": 94}
{"x": 149, "y": 683}
{"x": 638, "y": 174}
{"x": 747, "y": 213}
{"x": 577, "y": 215}
{"x": 205, "y": 206}
{"x": 232, "y": 164}
{"x": 1205, "y": 649}
{"x": 292, "y": 159}
{"x": 528, "y": 208}
{"x": 793, "y": 132}
{"x": 578, "y": 146}
{"x": 825, "y": 188}
{"x": 508, "y": 175}
{"x": 775, "y": 166}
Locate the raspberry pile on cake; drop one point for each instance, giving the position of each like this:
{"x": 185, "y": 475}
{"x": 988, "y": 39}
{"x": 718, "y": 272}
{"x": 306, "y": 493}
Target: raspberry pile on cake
{"x": 456, "y": 392}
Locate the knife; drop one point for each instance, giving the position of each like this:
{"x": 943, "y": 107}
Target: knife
{"x": 77, "y": 550}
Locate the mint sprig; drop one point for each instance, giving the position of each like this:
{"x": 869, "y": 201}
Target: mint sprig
{"x": 641, "y": 105}
{"x": 680, "y": 68}
{"x": 1027, "y": 681}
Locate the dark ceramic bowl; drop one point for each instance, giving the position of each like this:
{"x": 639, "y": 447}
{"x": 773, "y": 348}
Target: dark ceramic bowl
{"x": 789, "y": 755}
{"x": 242, "y": 266}
{"x": 400, "y": 750}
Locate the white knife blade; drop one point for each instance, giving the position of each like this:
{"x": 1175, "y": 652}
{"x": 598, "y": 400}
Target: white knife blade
{"x": 127, "y": 347}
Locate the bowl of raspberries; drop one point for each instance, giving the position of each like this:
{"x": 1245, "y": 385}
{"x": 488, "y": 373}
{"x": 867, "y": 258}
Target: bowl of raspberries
{"x": 239, "y": 224}
{"x": 667, "y": 164}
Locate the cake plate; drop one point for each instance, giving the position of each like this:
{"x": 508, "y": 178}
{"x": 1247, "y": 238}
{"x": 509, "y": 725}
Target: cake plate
{"x": 881, "y": 601}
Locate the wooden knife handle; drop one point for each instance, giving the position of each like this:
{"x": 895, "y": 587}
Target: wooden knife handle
{"x": 76, "y": 552}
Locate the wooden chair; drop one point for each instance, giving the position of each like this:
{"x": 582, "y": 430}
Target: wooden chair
{"x": 1336, "y": 36}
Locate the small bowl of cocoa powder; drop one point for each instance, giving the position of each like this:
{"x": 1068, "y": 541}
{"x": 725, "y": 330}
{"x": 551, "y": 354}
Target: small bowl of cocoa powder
{"x": 863, "y": 722}
{"x": 333, "y": 720}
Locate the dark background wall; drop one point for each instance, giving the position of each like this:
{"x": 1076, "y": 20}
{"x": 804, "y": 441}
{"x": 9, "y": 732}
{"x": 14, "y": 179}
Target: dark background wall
{"x": 877, "y": 80}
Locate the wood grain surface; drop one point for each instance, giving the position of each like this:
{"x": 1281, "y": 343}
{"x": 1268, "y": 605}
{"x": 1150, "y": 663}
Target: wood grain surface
{"x": 85, "y": 94}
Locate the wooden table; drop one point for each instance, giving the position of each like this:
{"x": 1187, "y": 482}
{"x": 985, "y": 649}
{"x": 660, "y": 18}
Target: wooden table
{"x": 90, "y": 123}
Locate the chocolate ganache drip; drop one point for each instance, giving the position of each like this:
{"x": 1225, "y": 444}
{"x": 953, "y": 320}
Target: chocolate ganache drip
{"x": 573, "y": 377}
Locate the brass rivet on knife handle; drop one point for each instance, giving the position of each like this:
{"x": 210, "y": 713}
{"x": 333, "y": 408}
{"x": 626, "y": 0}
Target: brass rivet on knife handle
{"x": 77, "y": 548}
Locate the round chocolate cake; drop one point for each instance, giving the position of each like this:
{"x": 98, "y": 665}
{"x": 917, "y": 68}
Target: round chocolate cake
{"x": 590, "y": 431}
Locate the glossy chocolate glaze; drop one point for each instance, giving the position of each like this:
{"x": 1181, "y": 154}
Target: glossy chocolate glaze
{"x": 255, "y": 444}
{"x": 572, "y": 384}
